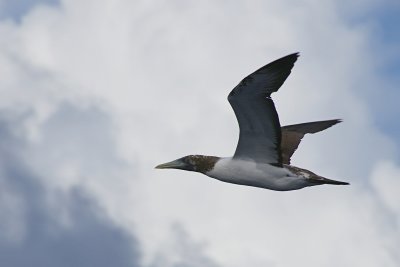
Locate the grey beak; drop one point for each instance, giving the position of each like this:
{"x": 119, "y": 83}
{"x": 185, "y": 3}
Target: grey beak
{"x": 176, "y": 164}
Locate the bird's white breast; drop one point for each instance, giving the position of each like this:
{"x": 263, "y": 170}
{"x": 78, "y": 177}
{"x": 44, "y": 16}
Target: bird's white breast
{"x": 247, "y": 172}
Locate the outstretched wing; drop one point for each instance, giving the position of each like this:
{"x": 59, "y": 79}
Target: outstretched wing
{"x": 260, "y": 130}
{"x": 292, "y": 135}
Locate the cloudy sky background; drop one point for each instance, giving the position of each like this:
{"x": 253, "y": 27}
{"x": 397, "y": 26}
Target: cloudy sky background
{"x": 94, "y": 94}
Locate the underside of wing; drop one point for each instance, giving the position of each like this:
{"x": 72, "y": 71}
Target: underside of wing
{"x": 292, "y": 135}
{"x": 260, "y": 131}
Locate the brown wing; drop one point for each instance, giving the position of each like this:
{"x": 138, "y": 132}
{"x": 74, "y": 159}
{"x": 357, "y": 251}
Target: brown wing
{"x": 292, "y": 135}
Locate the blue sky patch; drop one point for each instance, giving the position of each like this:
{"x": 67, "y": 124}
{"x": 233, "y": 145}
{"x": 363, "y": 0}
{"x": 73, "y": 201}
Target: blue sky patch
{"x": 16, "y": 9}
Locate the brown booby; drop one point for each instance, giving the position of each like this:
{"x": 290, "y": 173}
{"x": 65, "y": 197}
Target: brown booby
{"x": 264, "y": 149}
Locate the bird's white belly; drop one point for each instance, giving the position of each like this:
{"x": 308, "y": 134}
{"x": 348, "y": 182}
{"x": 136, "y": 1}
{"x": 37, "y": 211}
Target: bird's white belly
{"x": 250, "y": 173}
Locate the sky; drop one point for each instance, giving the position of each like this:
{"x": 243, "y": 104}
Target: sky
{"x": 97, "y": 93}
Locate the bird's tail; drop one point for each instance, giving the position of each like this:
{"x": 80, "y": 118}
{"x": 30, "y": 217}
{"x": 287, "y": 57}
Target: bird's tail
{"x": 322, "y": 180}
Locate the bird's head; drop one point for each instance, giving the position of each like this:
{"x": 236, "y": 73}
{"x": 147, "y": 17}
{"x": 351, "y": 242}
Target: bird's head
{"x": 196, "y": 163}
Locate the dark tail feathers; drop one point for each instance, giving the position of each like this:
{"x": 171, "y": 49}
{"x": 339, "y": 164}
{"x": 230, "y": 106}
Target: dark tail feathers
{"x": 323, "y": 180}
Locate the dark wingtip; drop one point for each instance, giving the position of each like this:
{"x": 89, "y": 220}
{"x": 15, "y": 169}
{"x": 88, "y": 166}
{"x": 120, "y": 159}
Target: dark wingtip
{"x": 293, "y": 56}
{"x": 333, "y": 122}
{"x": 282, "y": 63}
{"x": 311, "y": 127}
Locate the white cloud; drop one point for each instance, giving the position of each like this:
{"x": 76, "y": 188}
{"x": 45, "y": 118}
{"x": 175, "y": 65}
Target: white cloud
{"x": 385, "y": 179}
{"x": 44, "y": 226}
{"x": 159, "y": 72}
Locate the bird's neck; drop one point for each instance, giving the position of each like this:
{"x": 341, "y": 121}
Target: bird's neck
{"x": 203, "y": 163}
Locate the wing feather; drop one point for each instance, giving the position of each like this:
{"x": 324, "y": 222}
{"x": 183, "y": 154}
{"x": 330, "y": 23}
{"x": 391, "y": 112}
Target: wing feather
{"x": 292, "y": 135}
{"x": 260, "y": 130}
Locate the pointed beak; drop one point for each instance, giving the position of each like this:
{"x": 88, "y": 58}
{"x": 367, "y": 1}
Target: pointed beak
{"x": 176, "y": 164}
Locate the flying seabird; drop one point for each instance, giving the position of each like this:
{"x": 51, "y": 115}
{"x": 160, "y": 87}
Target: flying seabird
{"x": 264, "y": 149}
